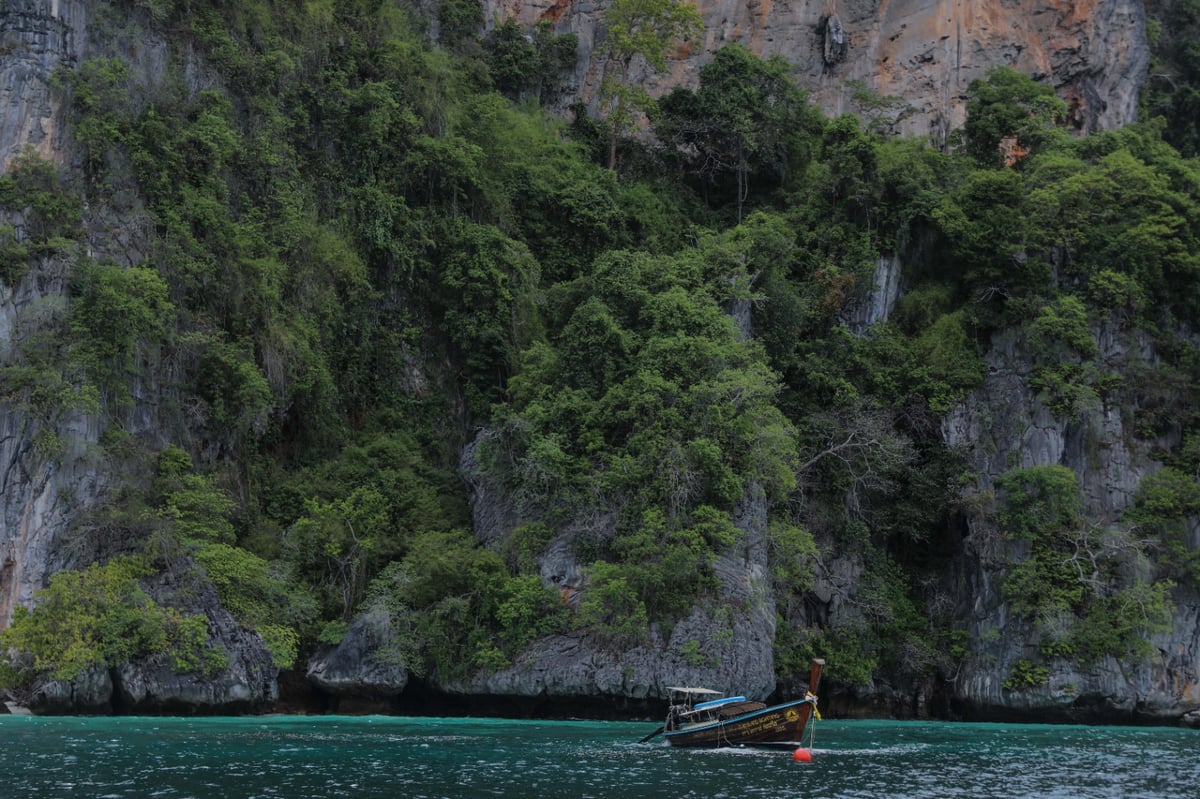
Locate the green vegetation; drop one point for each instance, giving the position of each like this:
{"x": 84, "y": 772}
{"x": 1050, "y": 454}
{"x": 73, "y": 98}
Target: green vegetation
{"x": 1164, "y": 503}
{"x": 100, "y": 618}
{"x": 1084, "y": 588}
{"x": 361, "y": 247}
{"x": 1026, "y": 675}
{"x": 648, "y": 29}
{"x": 748, "y": 120}
{"x": 1008, "y": 106}
{"x": 1174, "y": 89}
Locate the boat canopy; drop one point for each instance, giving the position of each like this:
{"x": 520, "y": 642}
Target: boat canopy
{"x": 700, "y": 691}
{"x": 715, "y": 703}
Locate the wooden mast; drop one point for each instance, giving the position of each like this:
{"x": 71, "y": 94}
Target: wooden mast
{"x": 814, "y": 677}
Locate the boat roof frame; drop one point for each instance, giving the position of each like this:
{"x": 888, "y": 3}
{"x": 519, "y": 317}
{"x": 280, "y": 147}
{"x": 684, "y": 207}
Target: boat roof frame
{"x": 697, "y": 691}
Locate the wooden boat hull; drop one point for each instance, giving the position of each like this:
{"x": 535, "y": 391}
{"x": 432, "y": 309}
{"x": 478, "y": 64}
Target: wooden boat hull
{"x": 778, "y": 724}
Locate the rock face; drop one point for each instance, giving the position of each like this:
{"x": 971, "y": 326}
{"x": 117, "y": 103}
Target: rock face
{"x": 36, "y": 38}
{"x": 1003, "y": 426}
{"x": 735, "y": 635}
{"x": 41, "y": 496}
{"x": 878, "y": 303}
{"x": 1166, "y": 690}
{"x": 38, "y": 497}
{"x": 357, "y": 666}
{"x": 926, "y": 52}
{"x": 89, "y": 693}
{"x": 43, "y": 493}
{"x": 247, "y": 684}
{"x": 150, "y": 685}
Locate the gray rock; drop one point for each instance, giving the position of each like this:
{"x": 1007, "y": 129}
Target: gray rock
{"x": 1004, "y": 425}
{"x": 90, "y": 692}
{"x": 359, "y": 665}
{"x": 248, "y": 682}
{"x": 727, "y": 645}
{"x": 836, "y": 46}
{"x": 150, "y": 685}
{"x": 44, "y": 495}
{"x": 880, "y": 300}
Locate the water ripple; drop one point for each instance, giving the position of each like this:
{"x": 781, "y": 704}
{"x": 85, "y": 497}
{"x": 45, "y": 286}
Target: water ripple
{"x": 328, "y": 757}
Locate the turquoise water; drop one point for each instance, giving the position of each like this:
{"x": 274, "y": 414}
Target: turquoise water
{"x": 376, "y": 756}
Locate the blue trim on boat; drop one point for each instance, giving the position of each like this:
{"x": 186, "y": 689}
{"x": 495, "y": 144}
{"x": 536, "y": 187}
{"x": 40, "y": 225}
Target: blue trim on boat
{"x": 718, "y": 702}
{"x": 725, "y": 722}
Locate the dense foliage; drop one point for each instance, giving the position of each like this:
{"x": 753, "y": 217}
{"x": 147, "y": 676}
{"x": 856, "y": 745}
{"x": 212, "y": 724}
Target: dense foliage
{"x": 365, "y": 246}
{"x": 100, "y": 618}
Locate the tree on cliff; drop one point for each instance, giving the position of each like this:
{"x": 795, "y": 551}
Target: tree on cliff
{"x": 747, "y": 119}
{"x": 638, "y": 27}
{"x": 1173, "y": 91}
{"x": 1008, "y": 115}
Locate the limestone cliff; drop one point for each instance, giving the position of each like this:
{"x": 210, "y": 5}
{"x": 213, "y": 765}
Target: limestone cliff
{"x": 357, "y": 666}
{"x": 36, "y": 38}
{"x": 39, "y": 498}
{"x": 924, "y": 52}
{"x": 1005, "y": 425}
{"x": 736, "y": 632}
{"x": 46, "y": 490}
{"x": 1002, "y": 425}
{"x": 150, "y": 685}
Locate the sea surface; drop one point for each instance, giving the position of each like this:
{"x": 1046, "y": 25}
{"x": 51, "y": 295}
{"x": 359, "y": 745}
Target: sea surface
{"x": 410, "y": 758}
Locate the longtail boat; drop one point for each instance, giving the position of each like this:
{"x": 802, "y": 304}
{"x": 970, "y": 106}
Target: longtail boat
{"x": 703, "y": 717}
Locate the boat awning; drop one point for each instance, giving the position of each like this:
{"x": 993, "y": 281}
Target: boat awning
{"x": 715, "y": 703}
{"x": 699, "y": 691}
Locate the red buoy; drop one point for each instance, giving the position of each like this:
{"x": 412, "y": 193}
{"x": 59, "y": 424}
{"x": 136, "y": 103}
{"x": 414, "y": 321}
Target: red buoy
{"x": 802, "y": 755}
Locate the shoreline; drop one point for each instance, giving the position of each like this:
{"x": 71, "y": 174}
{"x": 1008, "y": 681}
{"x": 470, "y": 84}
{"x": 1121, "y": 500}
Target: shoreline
{"x": 421, "y": 701}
